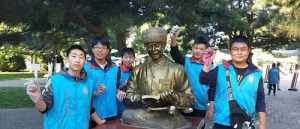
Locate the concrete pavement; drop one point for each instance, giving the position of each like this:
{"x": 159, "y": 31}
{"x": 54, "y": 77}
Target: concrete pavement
{"x": 16, "y": 83}
{"x": 22, "y": 118}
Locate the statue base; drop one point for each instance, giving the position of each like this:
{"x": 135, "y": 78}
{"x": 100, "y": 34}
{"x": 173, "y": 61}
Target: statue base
{"x": 140, "y": 118}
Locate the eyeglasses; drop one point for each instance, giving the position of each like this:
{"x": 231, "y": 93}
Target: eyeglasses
{"x": 100, "y": 48}
{"x": 243, "y": 49}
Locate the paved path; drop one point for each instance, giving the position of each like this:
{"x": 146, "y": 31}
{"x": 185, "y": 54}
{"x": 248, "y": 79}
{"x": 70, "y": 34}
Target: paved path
{"x": 15, "y": 83}
{"x": 283, "y": 110}
{"x": 24, "y": 118}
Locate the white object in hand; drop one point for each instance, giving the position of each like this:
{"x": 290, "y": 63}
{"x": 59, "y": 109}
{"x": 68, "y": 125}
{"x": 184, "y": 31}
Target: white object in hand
{"x": 174, "y": 29}
{"x": 33, "y": 91}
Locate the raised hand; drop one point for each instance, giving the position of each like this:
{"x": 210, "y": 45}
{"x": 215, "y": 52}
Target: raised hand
{"x": 173, "y": 35}
{"x": 33, "y": 91}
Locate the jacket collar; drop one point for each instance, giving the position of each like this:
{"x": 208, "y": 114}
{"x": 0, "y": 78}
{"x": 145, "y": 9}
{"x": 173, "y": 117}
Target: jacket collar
{"x": 251, "y": 67}
{"x": 83, "y": 75}
{"x": 94, "y": 64}
{"x": 124, "y": 68}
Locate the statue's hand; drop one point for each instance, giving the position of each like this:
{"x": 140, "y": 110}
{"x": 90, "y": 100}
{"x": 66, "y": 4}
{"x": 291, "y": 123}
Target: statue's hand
{"x": 133, "y": 101}
{"x": 168, "y": 97}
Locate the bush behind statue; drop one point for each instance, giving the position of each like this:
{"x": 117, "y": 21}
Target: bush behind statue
{"x": 12, "y": 62}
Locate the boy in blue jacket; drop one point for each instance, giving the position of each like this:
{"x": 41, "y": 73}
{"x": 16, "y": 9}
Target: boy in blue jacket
{"x": 104, "y": 73}
{"x": 192, "y": 67}
{"x": 65, "y": 102}
{"x": 124, "y": 73}
{"x": 246, "y": 82}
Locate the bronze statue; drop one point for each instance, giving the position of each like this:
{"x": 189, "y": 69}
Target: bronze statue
{"x": 157, "y": 88}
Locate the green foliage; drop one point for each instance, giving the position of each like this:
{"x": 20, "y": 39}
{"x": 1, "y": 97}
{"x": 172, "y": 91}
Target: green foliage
{"x": 11, "y": 60}
{"x": 138, "y": 42}
{"x": 261, "y": 63}
{"x": 52, "y": 25}
{"x": 284, "y": 19}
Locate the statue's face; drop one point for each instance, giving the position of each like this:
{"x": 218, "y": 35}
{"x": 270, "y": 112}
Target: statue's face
{"x": 154, "y": 50}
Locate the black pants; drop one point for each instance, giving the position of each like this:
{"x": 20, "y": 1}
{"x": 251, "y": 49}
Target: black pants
{"x": 272, "y": 87}
{"x": 218, "y": 126}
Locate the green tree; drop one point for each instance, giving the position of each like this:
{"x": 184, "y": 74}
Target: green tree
{"x": 54, "y": 24}
{"x": 11, "y": 59}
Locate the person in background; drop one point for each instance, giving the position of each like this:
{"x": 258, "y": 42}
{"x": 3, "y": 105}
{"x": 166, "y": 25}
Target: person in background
{"x": 124, "y": 73}
{"x": 278, "y": 67}
{"x": 273, "y": 79}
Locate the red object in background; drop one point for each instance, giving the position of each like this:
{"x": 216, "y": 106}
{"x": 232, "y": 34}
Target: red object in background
{"x": 101, "y": 88}
{"x": 195, "y": 59}
{"x": 206, "y": 56}
{"x": 226, "y": 64}
{"x": 124, "y": 68}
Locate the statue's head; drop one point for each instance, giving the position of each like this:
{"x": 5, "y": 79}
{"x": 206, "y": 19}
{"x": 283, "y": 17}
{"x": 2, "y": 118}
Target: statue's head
{"x": 155, "y": 42}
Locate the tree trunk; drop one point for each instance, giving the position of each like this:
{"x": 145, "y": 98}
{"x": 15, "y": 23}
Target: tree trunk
{"x": 121, "y": 40}
{"x": 97, "y": 30}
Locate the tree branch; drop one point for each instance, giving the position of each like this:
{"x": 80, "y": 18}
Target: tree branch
{"x": 76, "y": 16}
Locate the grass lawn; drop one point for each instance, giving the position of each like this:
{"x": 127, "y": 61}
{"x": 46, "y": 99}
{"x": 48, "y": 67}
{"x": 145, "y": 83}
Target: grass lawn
{"x": 14, "y": 97}
{"x": 17, "y": 75}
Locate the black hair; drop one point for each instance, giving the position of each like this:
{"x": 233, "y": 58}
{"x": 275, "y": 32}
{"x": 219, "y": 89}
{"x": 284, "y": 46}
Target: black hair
{"x": 273, "y": 65}
{"x": 100, "y": 40}
{"x": 240, "y": 39}
{"x": 128, "y": 51}
{"x": 201, "y": 40}
{"x": 278, "y": 64}
{"x": 78, "y": 47}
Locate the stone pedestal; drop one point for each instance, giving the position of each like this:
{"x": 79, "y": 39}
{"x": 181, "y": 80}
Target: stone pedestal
{"x": 140, "y": 118}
